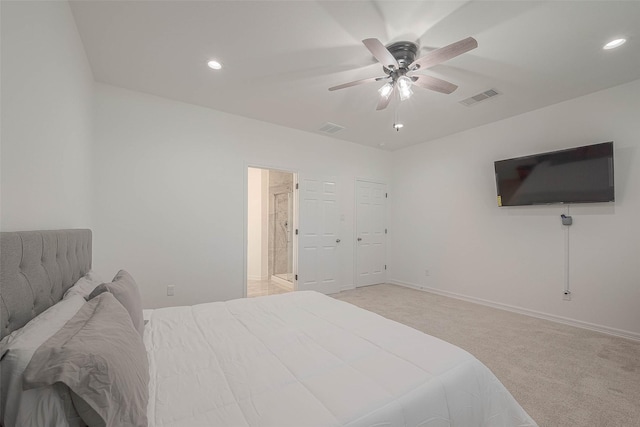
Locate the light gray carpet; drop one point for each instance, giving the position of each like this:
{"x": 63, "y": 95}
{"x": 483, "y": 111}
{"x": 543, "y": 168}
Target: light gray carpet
{"x": 561, "y": 375}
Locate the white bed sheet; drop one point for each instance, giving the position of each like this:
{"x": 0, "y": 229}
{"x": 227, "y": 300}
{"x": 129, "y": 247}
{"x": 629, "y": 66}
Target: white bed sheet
{"x": 305, "y": 359}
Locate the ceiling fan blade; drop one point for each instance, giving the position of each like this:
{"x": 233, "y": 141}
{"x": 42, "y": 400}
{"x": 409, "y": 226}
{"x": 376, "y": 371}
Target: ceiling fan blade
{"x": 358, "y": 82}
{"x": 383, "y": 102}
{"x": 381, "y": 53}
{"x": 437, "y": 56}
{"x": 434, "y": 83}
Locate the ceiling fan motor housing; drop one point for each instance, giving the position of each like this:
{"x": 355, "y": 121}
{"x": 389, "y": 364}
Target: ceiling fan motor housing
{"x": 404, "y": 52}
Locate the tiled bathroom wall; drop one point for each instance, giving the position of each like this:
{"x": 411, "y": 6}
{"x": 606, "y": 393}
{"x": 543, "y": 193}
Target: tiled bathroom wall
{"x": 280, "y": 224}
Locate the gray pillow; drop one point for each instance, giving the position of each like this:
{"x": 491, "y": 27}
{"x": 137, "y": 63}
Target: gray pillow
{"x": 125, "y": 289}
{"x": 101, "y": 358}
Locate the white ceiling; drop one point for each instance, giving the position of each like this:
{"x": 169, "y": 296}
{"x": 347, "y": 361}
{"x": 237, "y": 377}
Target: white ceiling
{"x": 280, "y": 57}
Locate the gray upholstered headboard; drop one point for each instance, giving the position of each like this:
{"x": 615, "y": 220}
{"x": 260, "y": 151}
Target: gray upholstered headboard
{"x": 36, "y": 269}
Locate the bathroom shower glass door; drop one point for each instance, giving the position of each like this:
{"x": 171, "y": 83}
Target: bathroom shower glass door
{"x": 283, "y": 241}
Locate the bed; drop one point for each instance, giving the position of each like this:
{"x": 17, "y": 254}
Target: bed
{"x": 298, "y": 359}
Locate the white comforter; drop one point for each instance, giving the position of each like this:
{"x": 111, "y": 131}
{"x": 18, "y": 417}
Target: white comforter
{"x": 305, "y": 359}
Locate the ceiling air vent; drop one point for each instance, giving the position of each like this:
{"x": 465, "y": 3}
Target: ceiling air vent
{"x": 330, "y": 128}
{"x": 479, "y": 97}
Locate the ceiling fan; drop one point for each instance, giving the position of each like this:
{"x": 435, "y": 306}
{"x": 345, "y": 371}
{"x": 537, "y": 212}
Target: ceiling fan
{"x": 398, "y": 60}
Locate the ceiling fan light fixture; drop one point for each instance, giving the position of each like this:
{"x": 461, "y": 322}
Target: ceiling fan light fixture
{"x": 386, "y": 90}
{"x": 404, "y": 87}
{"x": 614, "y": 44}
{"x": 405, "y": 94}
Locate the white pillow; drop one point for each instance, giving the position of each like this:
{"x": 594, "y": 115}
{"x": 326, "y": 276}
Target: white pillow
{"x": 29, "y": 408}
{"x": 84, "y": 286}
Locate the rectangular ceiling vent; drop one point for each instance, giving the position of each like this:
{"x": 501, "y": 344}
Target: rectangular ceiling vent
{"x": 330, "y": 128}
{"x": 480, "y": 97}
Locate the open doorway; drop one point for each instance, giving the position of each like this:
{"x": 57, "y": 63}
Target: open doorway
{"x": 270, "y": 232}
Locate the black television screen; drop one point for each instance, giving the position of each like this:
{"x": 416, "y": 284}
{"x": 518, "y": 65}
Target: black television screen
{"x": 577, "y": 175}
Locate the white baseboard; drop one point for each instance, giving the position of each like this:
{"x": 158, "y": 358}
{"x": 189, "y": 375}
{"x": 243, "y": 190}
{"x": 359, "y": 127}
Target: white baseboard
{"x": 249, "y": 277}
{"x": 540, "y": 315}
{"x": 348, "y": 287}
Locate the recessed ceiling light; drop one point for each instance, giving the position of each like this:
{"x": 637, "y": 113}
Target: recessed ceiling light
{"x": 614, "y": 43}
{"x": 398, "y": 126}
{"x": 214, "y": 64}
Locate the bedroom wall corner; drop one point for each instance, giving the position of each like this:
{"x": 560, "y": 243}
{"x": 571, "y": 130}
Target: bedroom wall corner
{"x": 47, "y": 97}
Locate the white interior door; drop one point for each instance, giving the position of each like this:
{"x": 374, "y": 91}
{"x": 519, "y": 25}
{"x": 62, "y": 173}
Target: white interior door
{"x": 319, "y": 224}
{"x": 370, "y": 233}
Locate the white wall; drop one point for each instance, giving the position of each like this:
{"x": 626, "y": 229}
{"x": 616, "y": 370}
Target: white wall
{"x": 255, "y": 217}
{"x": 47, "y": 97}
{"x": 170, "y": 185}
{"x": 264, "y": 226}
{"x": 445, "y": 217}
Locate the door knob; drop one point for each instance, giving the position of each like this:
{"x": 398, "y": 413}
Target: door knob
{"x": 337, "y": 240}
{"x": 359, "y": 239}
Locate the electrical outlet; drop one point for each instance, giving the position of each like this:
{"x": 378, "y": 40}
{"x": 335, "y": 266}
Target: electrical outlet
{"x": 566, "y": 295}
{"x": 170, "y": 290}
{"x": 426, "y": 273}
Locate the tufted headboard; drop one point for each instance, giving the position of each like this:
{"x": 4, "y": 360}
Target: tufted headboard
{"x": 36, "y": 269}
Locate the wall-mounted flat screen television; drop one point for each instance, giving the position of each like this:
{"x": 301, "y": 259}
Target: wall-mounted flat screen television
{"x": 576, "y": 175}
